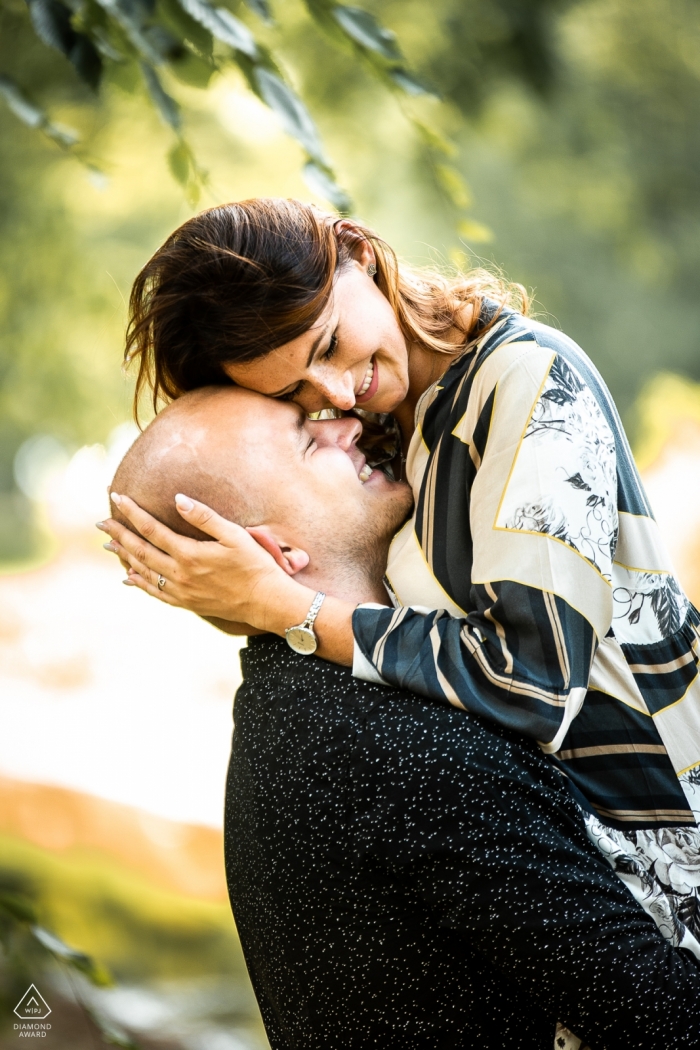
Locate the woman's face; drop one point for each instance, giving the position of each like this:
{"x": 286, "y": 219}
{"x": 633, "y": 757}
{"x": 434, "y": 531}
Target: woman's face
{"x": 355, "y": 354}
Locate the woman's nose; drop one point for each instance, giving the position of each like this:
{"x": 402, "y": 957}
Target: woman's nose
{"x": 339, "y": 389}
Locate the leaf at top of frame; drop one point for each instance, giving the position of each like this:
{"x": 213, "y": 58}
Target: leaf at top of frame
{"x": 434, "y": 139}
{"x": 87, "y": 61}
{"x": 362, "y": 27}
{"x": 292, "y": 112}
{"x": 164, "y": 103}
{"x": 411, "y": 84}
{"x": 223, "y": 25}
{"x": 179, "y": 163}
{"x": 454, "y": 185}
{"x": 262, "y": 9}
{"x": 320, "y": 181}
{"x": 192, "y": 69}
{"x": 51, "y": 22}
{"x": 164, "y": 43}
{"x": 20, "y": 105}
{"x": 189, "y": 28}
{"x": 65, "y": 137}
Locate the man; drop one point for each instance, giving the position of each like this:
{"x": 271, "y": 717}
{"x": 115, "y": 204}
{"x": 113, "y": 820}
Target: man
{"x": 402, "y": 874}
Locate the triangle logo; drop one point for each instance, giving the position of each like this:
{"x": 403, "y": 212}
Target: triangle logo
{"x": 32, "y": 1006}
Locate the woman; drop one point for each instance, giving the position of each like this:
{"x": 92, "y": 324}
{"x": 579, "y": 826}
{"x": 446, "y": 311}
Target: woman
{"x": 557, "y": 613}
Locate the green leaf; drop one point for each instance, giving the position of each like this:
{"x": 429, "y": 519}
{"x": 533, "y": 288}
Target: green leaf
{"x": 193, "y": 69}
{"x": 262, "y": 9}
{"x": 321, "y": 181}
{"x": 164, "y": 103}
{"x": 164, "y": 43}
{"x": 223, "y": 25}
{"x": 434, "y": 139}
{"x": 20, "y": 105}
{"x": 410, "y": 83}
{"x": 454, "y": 185}
{"x": 86, "y": 61}
{"x": 132, "y": 15}
{"x": 189, "y": 29}
{"x": 179, "y": 163}
{"x": 473, "y": 231}
{"x": 34, "y": 117}
{"x": 65, "y": 137}
{"x": 52, "y": 21}
{"x": 292, "y": 112}
{"x": 364, "y": 29}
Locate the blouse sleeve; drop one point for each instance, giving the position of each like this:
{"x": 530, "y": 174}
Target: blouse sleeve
{"x": 543, "y": 517}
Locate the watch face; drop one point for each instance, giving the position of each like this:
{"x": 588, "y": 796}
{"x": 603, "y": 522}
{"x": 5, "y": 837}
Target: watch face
{"x": 301, "y": 640}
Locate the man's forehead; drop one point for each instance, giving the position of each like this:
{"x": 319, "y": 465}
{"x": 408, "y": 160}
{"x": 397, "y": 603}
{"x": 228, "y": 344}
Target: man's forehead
{"x": 280, "y": 422}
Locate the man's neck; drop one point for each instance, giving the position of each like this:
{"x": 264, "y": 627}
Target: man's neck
{"x": 348, "y": 584}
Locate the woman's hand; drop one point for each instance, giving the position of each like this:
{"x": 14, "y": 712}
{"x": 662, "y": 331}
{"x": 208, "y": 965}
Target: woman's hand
{"x": 230, "y": 578}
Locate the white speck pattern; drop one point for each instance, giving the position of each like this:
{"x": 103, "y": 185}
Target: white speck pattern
{"x": 406, "y": 875}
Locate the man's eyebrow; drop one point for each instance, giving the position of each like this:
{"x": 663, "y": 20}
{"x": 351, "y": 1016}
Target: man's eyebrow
{"x": 314, "y": 347}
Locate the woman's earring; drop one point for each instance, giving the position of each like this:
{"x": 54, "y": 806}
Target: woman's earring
{"x": 371, "y": 269}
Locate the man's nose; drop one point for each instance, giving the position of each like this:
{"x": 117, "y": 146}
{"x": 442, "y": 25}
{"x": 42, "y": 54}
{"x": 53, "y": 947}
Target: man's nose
{"x": 342, "y": 432}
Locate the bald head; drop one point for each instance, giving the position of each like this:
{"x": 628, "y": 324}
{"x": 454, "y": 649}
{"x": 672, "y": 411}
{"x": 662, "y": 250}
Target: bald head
{"x": 303, "y": 484}
{"x": 202, "y": 444}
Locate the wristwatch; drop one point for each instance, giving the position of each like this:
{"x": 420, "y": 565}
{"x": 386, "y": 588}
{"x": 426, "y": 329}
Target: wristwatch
{"x": 302, "y": 637}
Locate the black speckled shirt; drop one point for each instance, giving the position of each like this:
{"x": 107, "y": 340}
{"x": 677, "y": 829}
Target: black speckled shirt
{"x": 404, "y": 874}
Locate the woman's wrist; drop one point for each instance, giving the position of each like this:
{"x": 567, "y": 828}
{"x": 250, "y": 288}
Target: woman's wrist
{"x": 282, "y": 602}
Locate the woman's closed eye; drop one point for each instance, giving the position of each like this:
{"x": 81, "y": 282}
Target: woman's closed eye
{"x": 332, "y": 347}
{"x": 291, "y": 394}
{"x": 326, "y": 356}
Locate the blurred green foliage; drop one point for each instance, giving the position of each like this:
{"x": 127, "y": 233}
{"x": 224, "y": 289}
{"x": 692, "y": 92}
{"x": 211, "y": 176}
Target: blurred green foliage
{"x": 141, "y": 937}
{"x": 573, "y": 123}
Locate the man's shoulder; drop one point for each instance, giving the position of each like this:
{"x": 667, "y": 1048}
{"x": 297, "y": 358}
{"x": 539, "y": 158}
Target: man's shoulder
{"x": 393, "y": 728}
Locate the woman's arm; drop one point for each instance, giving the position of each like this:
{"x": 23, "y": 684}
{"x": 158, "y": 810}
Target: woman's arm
{"x": 543, "y": 515}
{"x": 238, "y": 630}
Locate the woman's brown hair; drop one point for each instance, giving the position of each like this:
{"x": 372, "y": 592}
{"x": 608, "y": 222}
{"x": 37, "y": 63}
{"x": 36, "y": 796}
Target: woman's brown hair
{"x": 239, "y": 280}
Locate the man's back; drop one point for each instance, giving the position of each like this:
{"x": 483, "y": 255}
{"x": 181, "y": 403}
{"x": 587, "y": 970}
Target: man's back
{"x": 403, "y": 875}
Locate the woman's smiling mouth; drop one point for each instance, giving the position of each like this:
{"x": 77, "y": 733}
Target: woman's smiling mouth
{"x": 369, "y": 383}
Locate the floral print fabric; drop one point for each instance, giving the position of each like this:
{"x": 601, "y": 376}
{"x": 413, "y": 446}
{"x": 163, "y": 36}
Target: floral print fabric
{"x": 534, "y": 589}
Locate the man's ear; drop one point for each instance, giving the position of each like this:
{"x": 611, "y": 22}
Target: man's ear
{"x": 291, "y": 559}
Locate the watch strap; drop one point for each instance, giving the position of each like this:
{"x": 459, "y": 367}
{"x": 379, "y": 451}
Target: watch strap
{"x": 314, "y": 610}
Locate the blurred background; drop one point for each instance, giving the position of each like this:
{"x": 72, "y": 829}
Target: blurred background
{"x": 557, "y": 140}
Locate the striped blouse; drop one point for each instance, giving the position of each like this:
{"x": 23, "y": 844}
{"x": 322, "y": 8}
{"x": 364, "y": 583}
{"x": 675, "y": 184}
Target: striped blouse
{"x": 533, "y": 588}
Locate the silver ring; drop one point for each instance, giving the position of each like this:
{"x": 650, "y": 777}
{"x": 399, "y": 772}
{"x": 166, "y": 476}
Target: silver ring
{"x": 161, "y": 582}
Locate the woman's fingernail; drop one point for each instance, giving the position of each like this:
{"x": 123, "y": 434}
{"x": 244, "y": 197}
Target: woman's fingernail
{"x": 115, "y": 498}
{"x": 128, "y": 583}
{"x": 101, "y": 526}
{"x": 183, "y": 502}
{"x": 110, "y": 547}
